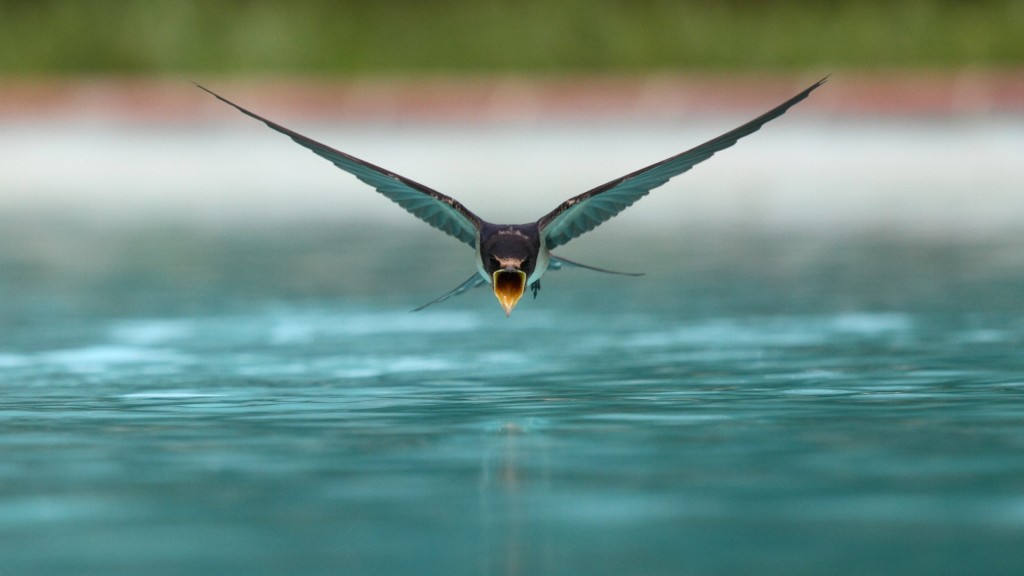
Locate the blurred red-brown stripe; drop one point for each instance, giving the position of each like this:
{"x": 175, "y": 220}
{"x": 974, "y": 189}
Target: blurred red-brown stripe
{"x": 509, "y": 98}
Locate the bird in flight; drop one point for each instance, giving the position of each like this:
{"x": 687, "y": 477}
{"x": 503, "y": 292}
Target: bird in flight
{"x": 513, "y": 257}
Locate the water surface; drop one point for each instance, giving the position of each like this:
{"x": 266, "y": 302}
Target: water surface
{"x": 262, "y": 401}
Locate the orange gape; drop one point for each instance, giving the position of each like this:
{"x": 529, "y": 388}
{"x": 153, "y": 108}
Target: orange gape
{"x": 509, "y": 286}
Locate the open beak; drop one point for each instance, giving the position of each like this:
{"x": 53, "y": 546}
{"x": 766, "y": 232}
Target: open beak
{"x": 509, "y": 286}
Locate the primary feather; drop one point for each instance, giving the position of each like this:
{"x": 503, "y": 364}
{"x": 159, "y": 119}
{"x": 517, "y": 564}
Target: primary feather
{"x": 585, "y": 212}
{"x": 440, "y": 211}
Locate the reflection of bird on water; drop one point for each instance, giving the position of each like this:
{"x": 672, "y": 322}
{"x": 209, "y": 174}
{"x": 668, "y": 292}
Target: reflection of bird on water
{"x": 512, "y": 257}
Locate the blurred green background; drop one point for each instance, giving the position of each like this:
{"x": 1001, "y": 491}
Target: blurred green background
{"x": 43, "y": 37}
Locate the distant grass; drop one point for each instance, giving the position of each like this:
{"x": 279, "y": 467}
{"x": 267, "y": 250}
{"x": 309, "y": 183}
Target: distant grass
{"x": 384, "y": 36}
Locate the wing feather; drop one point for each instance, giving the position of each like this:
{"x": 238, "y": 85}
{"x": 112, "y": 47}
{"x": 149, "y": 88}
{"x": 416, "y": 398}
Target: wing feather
{"x": 583, "y": 213}
{"x": 434, "y": 208}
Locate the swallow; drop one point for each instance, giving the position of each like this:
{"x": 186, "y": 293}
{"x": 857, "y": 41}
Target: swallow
{"x": 513, "y": 257}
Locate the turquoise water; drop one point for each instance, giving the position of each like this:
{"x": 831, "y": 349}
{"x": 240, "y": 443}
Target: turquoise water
{"x": 263, "y": 402}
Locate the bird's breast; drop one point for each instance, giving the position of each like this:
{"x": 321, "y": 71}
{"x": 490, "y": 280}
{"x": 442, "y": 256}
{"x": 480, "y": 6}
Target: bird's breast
{"x": 543, "y": 259}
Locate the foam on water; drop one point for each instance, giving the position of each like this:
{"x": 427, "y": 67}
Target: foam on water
{"x": 775, "y": 331}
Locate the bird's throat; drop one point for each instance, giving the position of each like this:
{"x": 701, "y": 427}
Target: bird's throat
{"x": 509, "y": 286}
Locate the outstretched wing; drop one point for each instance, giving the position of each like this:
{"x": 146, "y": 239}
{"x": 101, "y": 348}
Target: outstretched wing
{"x": 585, "y": 212}
{"x": 440, "y": 211}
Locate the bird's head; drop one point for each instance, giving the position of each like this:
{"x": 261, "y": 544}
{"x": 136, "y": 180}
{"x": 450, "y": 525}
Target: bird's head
{"x": 509, "y": 261}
